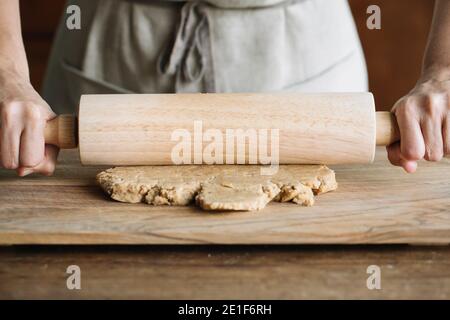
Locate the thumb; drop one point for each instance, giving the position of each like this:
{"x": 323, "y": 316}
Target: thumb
{"x": 46, "y": 167}
{"x": 396, "y": 158}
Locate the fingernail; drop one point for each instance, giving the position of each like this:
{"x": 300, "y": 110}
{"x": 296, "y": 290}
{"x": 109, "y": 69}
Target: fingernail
{"x": 26, "y": 172}
{"x": 410, "y": 166}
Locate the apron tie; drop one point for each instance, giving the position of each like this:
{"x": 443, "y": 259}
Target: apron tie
{"x": 187, "y": 57}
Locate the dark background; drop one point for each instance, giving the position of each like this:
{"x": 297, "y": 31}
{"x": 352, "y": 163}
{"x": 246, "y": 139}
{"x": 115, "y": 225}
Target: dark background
{"x": 393, "y": 54}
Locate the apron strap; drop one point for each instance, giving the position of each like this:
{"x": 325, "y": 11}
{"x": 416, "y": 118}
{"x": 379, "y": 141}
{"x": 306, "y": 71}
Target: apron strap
{"x": 189, "y": 54}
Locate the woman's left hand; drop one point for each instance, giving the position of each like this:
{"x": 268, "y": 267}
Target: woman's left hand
{"x": 423, "y": 117}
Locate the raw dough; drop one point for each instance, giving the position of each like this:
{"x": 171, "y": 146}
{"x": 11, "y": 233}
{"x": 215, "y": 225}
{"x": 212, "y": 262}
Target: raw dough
{"x": 217, "y": 187}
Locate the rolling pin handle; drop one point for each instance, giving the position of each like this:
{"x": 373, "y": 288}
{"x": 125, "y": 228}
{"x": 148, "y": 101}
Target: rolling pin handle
{"x": 62, "y": 131}
{"x": 387, "y": 128}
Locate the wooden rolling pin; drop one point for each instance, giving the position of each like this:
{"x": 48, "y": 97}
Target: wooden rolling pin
{"x": 326, "y": 128}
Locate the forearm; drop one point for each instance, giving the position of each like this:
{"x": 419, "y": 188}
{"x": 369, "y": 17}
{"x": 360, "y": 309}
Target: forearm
{"x": 437, "y": 55}
{"x": 423, "y": 114}
{"x": 12, "y": 53}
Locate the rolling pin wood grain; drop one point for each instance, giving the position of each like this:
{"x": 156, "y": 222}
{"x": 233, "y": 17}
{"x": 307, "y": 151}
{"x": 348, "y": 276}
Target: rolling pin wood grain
{"x": 131, "y": 129}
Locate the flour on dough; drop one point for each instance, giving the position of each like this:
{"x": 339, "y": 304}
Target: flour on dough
{"x": 220, "y": 187}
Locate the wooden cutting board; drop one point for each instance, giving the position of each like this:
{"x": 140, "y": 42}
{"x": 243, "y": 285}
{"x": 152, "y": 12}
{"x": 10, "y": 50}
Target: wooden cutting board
{"x": 375, "y": 203}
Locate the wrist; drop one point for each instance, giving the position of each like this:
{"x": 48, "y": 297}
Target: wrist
{"x": 12, "y": 74}
{"x": 435, "y": 73}
{"x": 15, "y": 68}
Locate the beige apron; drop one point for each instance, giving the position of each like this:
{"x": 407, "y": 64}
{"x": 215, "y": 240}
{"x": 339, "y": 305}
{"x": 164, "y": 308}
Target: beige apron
{"x": 205, "y": 46}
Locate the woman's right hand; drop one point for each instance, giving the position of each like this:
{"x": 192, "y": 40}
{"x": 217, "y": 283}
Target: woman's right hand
{"x": 23, "y": 116}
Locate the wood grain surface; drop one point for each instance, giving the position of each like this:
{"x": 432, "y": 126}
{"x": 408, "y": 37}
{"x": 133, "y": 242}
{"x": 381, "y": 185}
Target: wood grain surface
{"x": 302, "y": 128}
{"x": 374, "y": 204}
{"x": 225, "y": 272}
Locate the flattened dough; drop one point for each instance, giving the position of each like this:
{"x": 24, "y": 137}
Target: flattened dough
{"x": 217, "y": 187}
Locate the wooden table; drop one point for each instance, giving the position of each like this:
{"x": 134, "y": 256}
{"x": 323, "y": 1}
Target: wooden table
{"x": 225, "y": 272}
{"x": 374, "y": 204}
